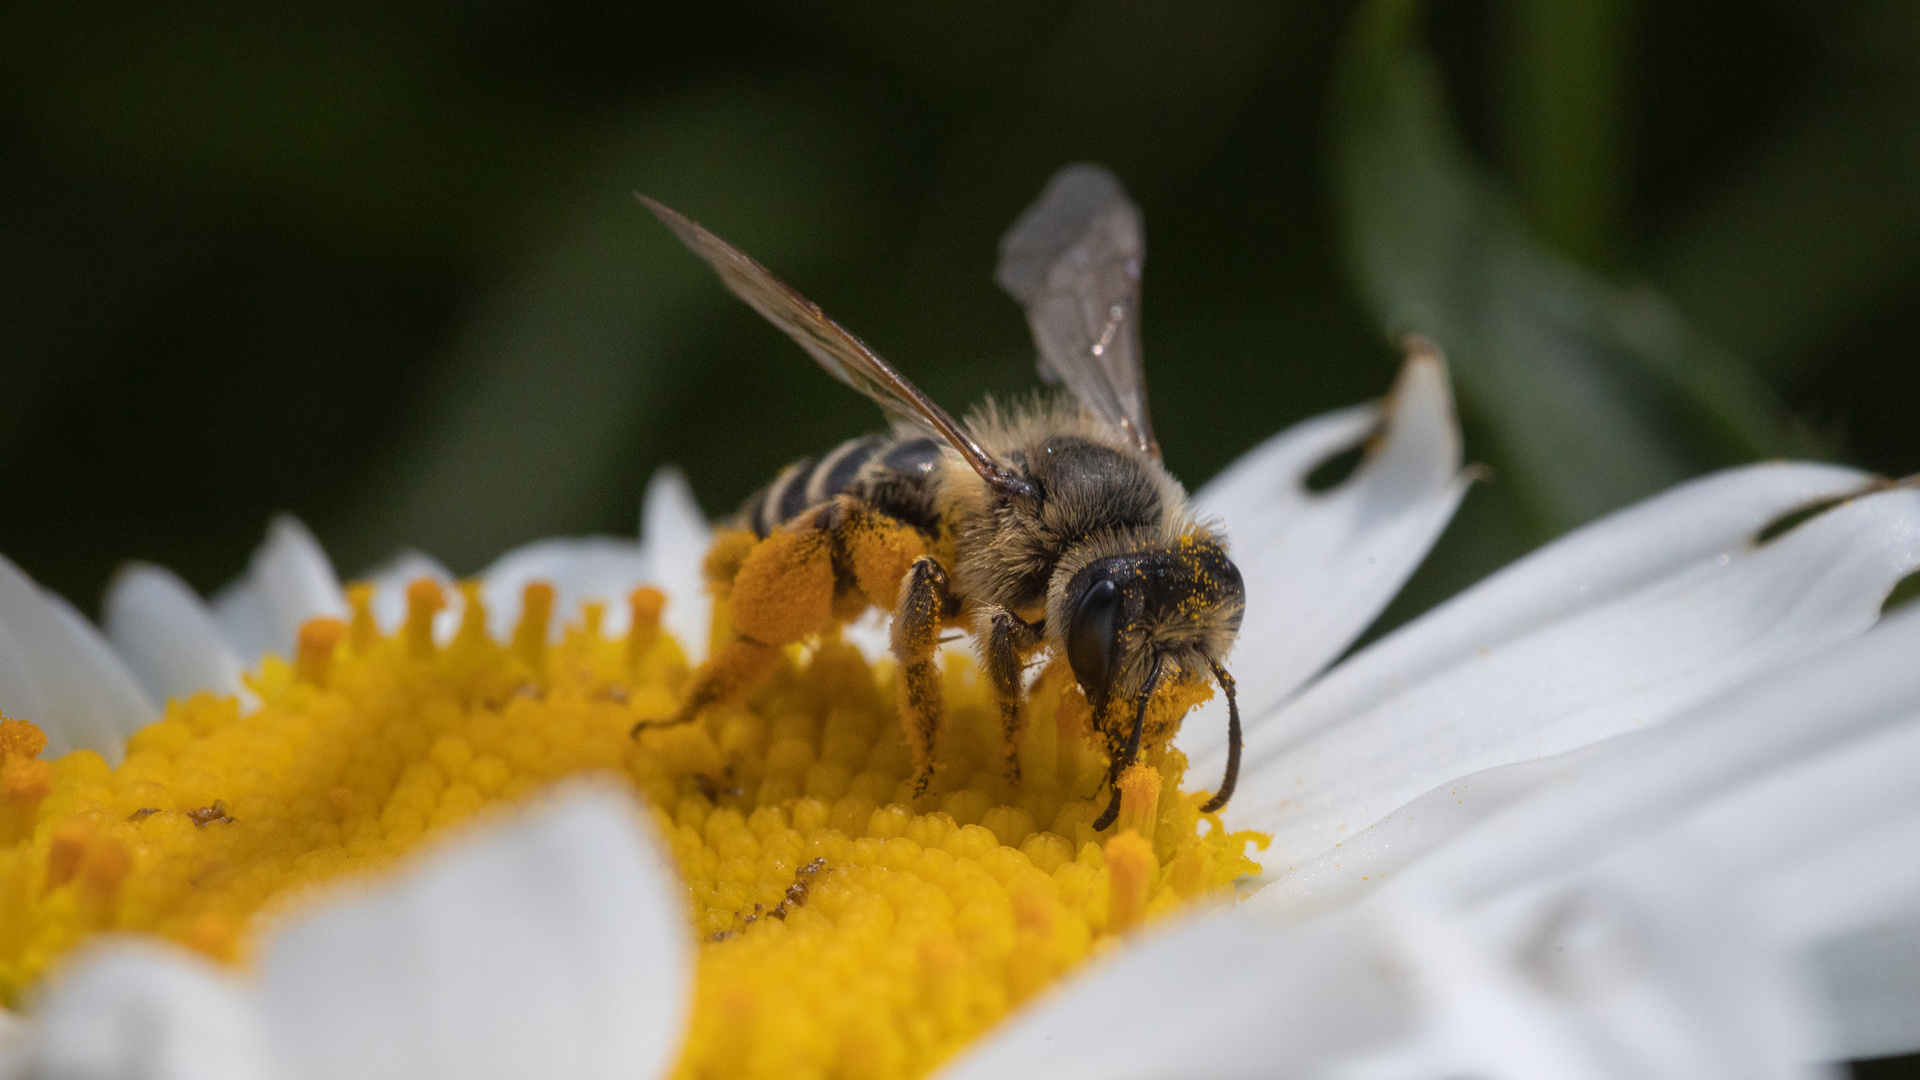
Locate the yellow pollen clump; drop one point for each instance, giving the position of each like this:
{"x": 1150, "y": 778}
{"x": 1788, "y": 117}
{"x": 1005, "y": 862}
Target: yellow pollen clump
{"x": 845, "y": 928}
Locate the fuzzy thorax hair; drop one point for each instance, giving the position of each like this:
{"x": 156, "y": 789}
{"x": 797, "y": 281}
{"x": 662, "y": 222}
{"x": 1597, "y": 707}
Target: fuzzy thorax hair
{"x": 1099, "y": 497}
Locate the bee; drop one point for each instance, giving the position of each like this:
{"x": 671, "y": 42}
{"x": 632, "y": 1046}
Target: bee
{"x": 1051, "y": 524}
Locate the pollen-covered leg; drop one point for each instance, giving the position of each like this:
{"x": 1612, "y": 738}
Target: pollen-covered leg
{"x": 780, "y": 592}
{"x": 925, "y": 601}
{"x": 784, "y": 590}
{"x": 1009, "y": 639}
{"x": 876, "y": 549}
{"x": 727, "y": 675}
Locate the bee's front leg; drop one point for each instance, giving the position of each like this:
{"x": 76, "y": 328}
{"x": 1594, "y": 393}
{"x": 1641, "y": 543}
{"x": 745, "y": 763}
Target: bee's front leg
{"x": 926, "y": 600}
{"x": 1008, "y": 640}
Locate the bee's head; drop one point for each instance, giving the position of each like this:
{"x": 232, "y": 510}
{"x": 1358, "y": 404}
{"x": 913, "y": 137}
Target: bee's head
{"x": 1169, "y": 608}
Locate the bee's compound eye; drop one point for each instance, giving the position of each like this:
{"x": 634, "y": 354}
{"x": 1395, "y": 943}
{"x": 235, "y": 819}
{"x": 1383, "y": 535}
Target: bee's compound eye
{"x": 1093, "y": 635}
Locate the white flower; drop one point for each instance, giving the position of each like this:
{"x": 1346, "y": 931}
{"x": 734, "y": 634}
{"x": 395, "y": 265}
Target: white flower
{"x": 1638, "y": 805}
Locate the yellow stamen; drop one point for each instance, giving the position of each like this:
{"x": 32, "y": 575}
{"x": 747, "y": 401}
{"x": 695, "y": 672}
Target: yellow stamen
{"x": 67, "y": 847}
{"x": 105, "y": 866}
{"x": 530, "y": 635}
{"x": 473, "y": 620}
{"x": 425, "y": 598}
{"x": 1139, "y": 798}
{"x": 313, "y": 657}
{"x": 24, "y": 782}
{"x": 646, "y": 603}
{"x": 19, "y": 738}
{"x": 1130, "y": 869}
{"x": 844, "y": 928}
{"x": 362, "y": 632}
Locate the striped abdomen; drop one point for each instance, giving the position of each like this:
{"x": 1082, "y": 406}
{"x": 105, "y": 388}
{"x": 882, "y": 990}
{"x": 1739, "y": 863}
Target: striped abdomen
{"x": 894, "y": 475}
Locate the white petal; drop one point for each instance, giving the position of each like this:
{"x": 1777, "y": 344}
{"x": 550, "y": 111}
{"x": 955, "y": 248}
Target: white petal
{"x": 1318, "y": 567}
{"x": 390, "y": 581}
{"x": 135, "y": 1009}
{"x": 1357, "y": 867}
{"x": 288, "y": 581}
{"x": 550, "y": 946}
{"x": 166, "y": 634}
{"x": 1869, "y": 885}
{"x": 20, "y": 696}
{"x": 1274, "y": 473}
{"x": 1646, "y": 780}
{"x": 56, "y": 671}
{"x": 1217, "y": 995}
{"x": 16, "y": 1046}
{"x": 1785, "y": 810}
{"x": 597, "y": 568}
{"x": 1479, "y": 1017}
{"x": 872, "y": 634}
{"x": 1633, "y": 662}
{"x": 1871, "y": 982}
{"x": 242, "y": 618}
{"x": 674, "y": 537}
{"x": 1828, "y": 838}
{"x": 1616, "y": 555}
{"x": 1664, "y": 967}
{"x": 1818, "y": 852}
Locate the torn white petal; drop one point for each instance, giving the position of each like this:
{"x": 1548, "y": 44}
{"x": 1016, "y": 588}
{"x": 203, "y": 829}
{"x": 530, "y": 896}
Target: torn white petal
{"x": 551, "y": 944}
{"x": 166, "y": 635}
{"x": 289, "y": 580}
{"x": 135, "y": 1009}
{"x": 674, "y": 537}
{"x": 1268, "y": 479}
{"x": 1634, "y": 662}
{"x": 56, "y": 671}
{"x": 1318, "y": 567}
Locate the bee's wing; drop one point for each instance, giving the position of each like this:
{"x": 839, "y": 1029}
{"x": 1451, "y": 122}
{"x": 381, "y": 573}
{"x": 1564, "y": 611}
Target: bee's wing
{"x": 845, "y": 357}
{"x": 1073, "y": 261}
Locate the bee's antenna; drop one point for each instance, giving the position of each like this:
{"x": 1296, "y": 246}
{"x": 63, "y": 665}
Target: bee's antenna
{"x": 1233, "y": 740}
{"x": 1133, "y": 746}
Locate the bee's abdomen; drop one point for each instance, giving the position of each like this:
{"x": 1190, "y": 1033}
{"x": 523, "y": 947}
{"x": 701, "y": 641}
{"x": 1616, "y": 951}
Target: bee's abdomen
{"x": 893, "y": 475}
{"x": 808, "y": 483}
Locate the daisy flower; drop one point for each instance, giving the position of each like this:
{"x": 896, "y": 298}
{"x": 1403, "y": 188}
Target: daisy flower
{"x": 1637, "y": 805}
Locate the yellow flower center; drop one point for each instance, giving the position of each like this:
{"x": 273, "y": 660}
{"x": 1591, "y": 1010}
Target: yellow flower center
{"x": 844, "y": 930}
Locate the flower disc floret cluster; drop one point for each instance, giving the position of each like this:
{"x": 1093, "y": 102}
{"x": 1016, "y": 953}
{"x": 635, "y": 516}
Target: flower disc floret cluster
{"x": 844, "y": 929}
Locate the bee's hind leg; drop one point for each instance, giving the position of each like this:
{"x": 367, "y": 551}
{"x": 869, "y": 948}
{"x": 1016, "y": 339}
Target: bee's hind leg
{"x": 926, "y": 600}
{"x": 734, "y": 669}
{"x": 1008, "y": 639}
{"x": 780, "y": 592}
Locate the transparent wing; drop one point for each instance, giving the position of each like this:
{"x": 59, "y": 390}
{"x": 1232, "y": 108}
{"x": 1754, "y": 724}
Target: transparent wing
{"x": 845, "y": 357}
{"x": 1073, "y": 261}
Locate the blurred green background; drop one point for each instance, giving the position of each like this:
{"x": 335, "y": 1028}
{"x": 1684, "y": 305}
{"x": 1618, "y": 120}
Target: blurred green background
{"x": 379, "y": 264}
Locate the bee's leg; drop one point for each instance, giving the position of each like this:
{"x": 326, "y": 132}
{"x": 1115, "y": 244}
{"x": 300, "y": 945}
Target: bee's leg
{"x": 875, "y": 551}
{"x": 728, "y": 675}
{"x": 781, "y": 592}
{"x": 925, "y": 601}
{"x": 1008, "y": 639}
